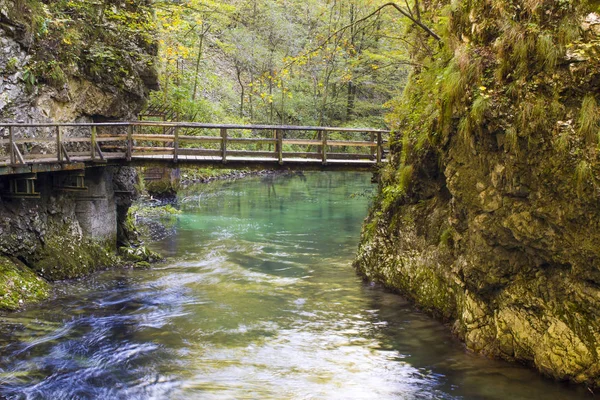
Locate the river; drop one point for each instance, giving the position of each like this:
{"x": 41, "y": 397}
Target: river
{"x": 257, "y": 299}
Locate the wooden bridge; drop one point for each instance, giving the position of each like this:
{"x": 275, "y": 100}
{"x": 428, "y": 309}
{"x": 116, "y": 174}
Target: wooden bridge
{"x": 31, "y": 148}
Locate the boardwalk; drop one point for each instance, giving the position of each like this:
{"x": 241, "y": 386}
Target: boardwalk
{"x": 30, "y": 148}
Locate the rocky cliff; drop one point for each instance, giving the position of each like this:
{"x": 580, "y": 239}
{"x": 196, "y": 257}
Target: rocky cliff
{"x": 488, "y": 215}
{"x": 69, "y": 61}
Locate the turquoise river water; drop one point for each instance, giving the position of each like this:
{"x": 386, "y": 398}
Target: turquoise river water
{"x": 257, "y": 300}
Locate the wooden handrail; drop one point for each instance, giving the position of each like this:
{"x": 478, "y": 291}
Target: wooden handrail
{"x": 190, "y": 125}
{"x": 135, "y": 141}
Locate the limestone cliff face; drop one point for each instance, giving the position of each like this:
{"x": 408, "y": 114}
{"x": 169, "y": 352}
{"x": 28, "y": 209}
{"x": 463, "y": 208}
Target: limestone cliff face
{"x": 488, "y": 215}
{"x": 68, "y": 62}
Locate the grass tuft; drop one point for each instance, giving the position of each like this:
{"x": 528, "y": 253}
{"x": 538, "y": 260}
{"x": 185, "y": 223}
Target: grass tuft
{"x": 589, "y": 119}
{"x": 584, "y": 176}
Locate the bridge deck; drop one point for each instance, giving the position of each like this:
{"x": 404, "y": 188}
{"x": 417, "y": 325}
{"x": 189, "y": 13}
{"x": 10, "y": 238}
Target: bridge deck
{"x": 51, "y": 147}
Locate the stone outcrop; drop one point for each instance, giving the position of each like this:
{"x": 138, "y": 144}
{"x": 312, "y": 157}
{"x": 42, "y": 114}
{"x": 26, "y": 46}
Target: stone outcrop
{"x": 47, "y": 74}
{"x": 488, "y": 216}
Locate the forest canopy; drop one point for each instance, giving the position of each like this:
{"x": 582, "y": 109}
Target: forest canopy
{"x": 305, "y": 62}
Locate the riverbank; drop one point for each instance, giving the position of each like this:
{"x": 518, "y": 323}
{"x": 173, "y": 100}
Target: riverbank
{"x": 256, "y": 299}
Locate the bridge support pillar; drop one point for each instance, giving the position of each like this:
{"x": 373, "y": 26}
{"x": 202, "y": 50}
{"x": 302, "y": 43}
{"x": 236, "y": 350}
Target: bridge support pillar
{"x": 96, "y": 208}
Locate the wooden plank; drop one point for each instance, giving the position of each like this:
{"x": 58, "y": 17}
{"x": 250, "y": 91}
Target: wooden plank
{"x": 207, "y": 139}
{"x": 154, "y": 153}
{"x": 349, "y": 156}
{"x": 111, "y": 139}
{"x": 196, "y": 125}
{"x": 311, "y": 155}
{"x": 113, "y": 147}
{"x": 115, "y": 155}
{"x": 41, "y": 156}
{"x": 302, "y": 142}
{"x": 351, "y": 143}
{"x": 99, "y": 151}
{"x": 146, "y": 148}
{"x": 200, "y": 152}
{"x": 65, "y": 153}
{"x": 34, "y": 140}
{"x": 153, "y": 138}
{"x": 17, "y": 154}
{"x": 199, "y": 125}
{"x": 77, "y": 140}
{"x": 252, "y": 140}
{"x": 244, "y": 153}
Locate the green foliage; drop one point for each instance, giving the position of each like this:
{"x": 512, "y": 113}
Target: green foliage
{"x": 447, "y": 236}
{"x": 584, "y": 177}
{"x": 397, "y": 188}
{"x": 66, "y": 36}
{"x": 547, "y": 51}
{"x": 279, "y": 63}
{"x": 512, "y": 140}
{"x": 11, "y": 66}
{"x": 29, "y": 79}
{"x": 589, "y": 119}
{"x": 479, "y": 109}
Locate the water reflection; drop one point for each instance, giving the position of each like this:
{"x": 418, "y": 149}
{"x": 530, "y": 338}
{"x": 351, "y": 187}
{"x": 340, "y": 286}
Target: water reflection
{"x": 258, "y": 301}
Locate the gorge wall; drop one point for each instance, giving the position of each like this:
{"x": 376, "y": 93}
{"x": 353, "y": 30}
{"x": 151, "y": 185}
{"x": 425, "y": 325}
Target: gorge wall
{"x": 66, "y": 61}
{"x": 488, "y": 215}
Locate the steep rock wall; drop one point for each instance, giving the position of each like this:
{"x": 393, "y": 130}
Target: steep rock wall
{"x": 64, "y": 61}
{"x": 487, "y": 215}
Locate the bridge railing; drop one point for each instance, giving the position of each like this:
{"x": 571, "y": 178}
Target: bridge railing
{"x": 69, "y": 142}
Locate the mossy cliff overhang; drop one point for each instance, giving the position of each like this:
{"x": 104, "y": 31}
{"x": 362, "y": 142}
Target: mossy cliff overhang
{"x": 76, "y": 59}
{"x": 487, "y": 214}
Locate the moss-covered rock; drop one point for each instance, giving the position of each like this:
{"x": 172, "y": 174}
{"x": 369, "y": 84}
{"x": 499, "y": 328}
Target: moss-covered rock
{"x": 139, "y": 255}
{"x": 62, "y": 258}
{"x": 496, "y": 228}
{"x": 19, "y": 285}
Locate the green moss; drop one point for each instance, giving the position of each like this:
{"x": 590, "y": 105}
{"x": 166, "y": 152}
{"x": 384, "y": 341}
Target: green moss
{"x": 99, "y": 39}
{"x": 447, "y": 235}
{"x": 63, "y": 257}
{"x": 11, "y": 65}
{"x": 138, "y": 255}
{"x": 162, "y": 188}
{"x": 19, "y": 285}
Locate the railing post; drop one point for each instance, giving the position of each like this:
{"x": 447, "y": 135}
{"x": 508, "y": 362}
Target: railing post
{"x": 58, "y": 145}
{"x": 176, "y": 145}
{"x": 372, "y": 140}
{"x": 93, "y": 142}
{"x": 224, "y": 145}
{"x": 379, "y": 147}
{"x": 324, "y": 150}
{"x": 279, "y": 134}
{"x": 11, "y": 139}
{"x": 129, "y": 142}
{"x": 319, "y": 147}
